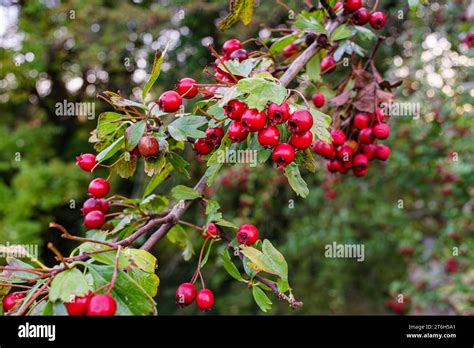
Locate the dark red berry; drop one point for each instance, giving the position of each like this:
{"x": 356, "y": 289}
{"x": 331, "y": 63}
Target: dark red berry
{"x": 335, "y": 166}
{"x": 237, "y": 132}
{"x": 185, "y": 294}
{"x": 359, "y": 172}
{"x": 382, "y": 152}
{"x": 269, "y": 137}
{"x": 300, "y": 121}
{"x": 169, "y": 101}
{"x": 381, "y": 131}
{"x": 91, "y": 204}
{"x": 344, "y": 153}
{"x": 247, "y": 234}
{"x": 11, "y": 300}
{"x": 377, "y": 20}
{"x": 366, "y": 135}
{"x": 230, "y": 46}
{"x": 326, "y": 150}
{"x": 215, "y": 135}
{"x": 186, "y": 88}
{"x": 361, "y": 120}
{"x": 211, "y": 232}
{"x": 78, "y": 306}
{"x": 205, "y": 300}
{"x": 278, "y": 113}
{"x": 235, "y": 109}
{"x": 86, "y": 161}
{"x": 361, "y": 16}
{"x": 94, "y": 219}
{"x": 148, "y": 146}
{"x": 290, "y": 50}
{"x": 452, "y": 265}
{"x": 301, "y": 141}
{"x": 203, "y": 146}
{"x": 102, "y": 305}
{"x": 369, "y": 151}
{"x": 318, "y": 100}
{"x": 328, "y": 64}
{"x": 253, "y": 120}
{"x": 239, "y": 54}
{"x": 338, "y": 137}
{"x": 360, "y": 161}
{"x": 283, "y": 155}
{"x": 99, "y": 187}
{"x": 352, "y": 5}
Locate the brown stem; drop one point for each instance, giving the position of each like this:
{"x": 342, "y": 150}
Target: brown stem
{"x": 222, "y": 62}
{"x": 380, "y": 39}
{"x": 59, "y": 256}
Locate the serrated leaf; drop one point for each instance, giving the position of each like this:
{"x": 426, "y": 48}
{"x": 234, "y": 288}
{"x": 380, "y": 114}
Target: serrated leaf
{"x": 341, "y": 32}
{"x": 140, "y": 259}
{"x": 110, "y": 150}
{"x": 178, "y": 235}
{"x": 276, "y": 258}
{"x": 158, "y": 179}
{"x": 155, "y": 72}
{"x": 261, "y": 299}
{"x": 313, "y": 69}
{"x": 187, "y": 126}
{"x": 183, "y": 192}
{"x": 179, "y": 163}
{"x": 67, "y": 285}
{"x": 105, "y": 124}
{"x": 135, "y": 135}
{"x": 295, "y": 180}
{"x": 212, "y": 211}
{"x": 125, "y": 169}
{"x": 306, "y": 21}
{"x": 307, "y": 161}
{"x": 238, "y": 68}
{"x": 229, "y": 266}
{"x": 261, "y": 91}
{"x": 257, "y": 260}
{"x": 281, "y": 43}
{"x": 364, "y": 33}
{"x": 239, "y": 10}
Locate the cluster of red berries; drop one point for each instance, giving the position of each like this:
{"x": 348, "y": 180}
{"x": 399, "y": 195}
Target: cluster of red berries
{"x": 344, "y": 154}
{"x": 361, "y": 15}
{"x": 94, "y": 208}
{"x": 170, "y": 101}
{"x": 11, "y": 300}
{"x": 204, "y": 146}
{"x": 97, "y": 305}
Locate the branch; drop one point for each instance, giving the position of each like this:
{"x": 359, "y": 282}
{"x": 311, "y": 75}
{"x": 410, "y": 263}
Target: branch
{"x": 380, "y": 39}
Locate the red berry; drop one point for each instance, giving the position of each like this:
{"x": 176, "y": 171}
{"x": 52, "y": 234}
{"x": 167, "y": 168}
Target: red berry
{"x": 203, "y": 146}
{"x": 239, "y": 54}
{"x": 378, "y": 20}
{"x": 361, "y": 120}
{"x": 235, "y": 109}
{"x": 326, "y": 150}
{"x": 318, "y": 100}
{"x": 337, "y": 6}
{"x": 185, "y": 294}
{"x": 289, "y": 50}
{"x": 366, "y": 135}
{"x": 94, "y": 219}
{"x": 148, "y": 146}
{"x": 278, "y": 113}
{"x": 344, "y": 153}
{"x": 237, "y": 132}
{"x": 360, "y": 172}
{"x": 379, "y": 115}
{"x": 211, "y": 232}
{"x": 215, "y": 135}
{"x": 283, "y": 155}
{"x": 382, "y": 152}
{"x": 86, "y": 161}
{"x": 300, "y": 121}
{"x": 381, "y": 131}
{"x": 186, "y": 88}
{"x": 91, "y": 204}
{"x": 335, "y": 166}
{"x": 11, "y": 300}
{"x": 369, "y": 151}
{"x": 99, "y": 187}
{"x": 102, "y": 305}
{"x": 205, "y": 300}
{"x": 247, "y": 234}
{"x": 352, "y": 5}
{"x": 78, "y": 306}
{"x": 104, "y": 205}
{"x": 301, "y": 141}
{"x": 253, "y": 120}
{"x": 338, "y": 137}
{"x": 452, "y": 265}
{"x": 230, "y": 46}
{"x": 170, "y": 101}
{"x": 328, "y": 64}
{"x": 361, "y": 16}
{"x": 269, "y": 137}
{"x": 360, "y": 162}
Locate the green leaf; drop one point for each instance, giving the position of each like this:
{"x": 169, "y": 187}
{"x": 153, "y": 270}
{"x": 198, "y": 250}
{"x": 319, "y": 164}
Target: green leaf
{"x": 306, "y": 21}
{"x": 67, "y": 285}
{"x": 183, "y": 192}
{"x": 158, "y": 179}
{"x": 243, "y": 68}
{"x": 208, "y": 252}
{"x": 413, "y": 5}
{"x": 364, "y": 33}
{"x": 105, "y": 124}
{"x": 341, "y": 32}
{"x": 276, "y": 259}
{"x": 154, "y": 202}
{"x": 281, "y": 43}
{"x": 135, "y": 135}
{"x": 296, "y": 181}
{"x": 321, "y": 123}
{"x": 283, "y": 285}
{"x": 9, "y": 276}
{"x": 110, "y": 150}
{"x": 239, "y": 10}
{"x": 226, "y": 223}
{"x": 257, "y": 260}
{"x": 119, "y": 101}
{"x": 261, "y": 299}
{"x": 313, "y": 69}
{"x": 187, "y": 126}
{"x": 178, "y": 235}
{"x": 155, "y": 72}
{"x": 179, "y": 163}
{"x": 126, "y": 168}
{"x": 229, "y": 265}
{"x": 148, "y": 281}
{"x": 307, "y": 161}
{"x": 261, "y": 91}
{"x": 212, "y": 211}
{"x": 132, "y": 299}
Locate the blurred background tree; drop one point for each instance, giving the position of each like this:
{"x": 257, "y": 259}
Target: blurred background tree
{"x": 409, "y": 212}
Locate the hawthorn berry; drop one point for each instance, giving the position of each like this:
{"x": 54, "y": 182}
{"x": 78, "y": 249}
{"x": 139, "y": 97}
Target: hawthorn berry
{"x": 94, "y": 219}
{"x": 104, "y": 205}
{"x": 352, "y": 5}
{"x": 91, "y": 204}
{"x": 344, "y": 153}
{"x": 382, "y": 152}
{"x": 359, "y": 172}
{"x": 99, "y": 187}
{"x": 230, "y": 46}
{"x": 211, "y": 232}
{"x": 378, "y": 20}
{"x": 187, "y": 88}
{"x": 338, "y": 137}
{"x": 300, "y": 121}
{"x": 301, "y": 141}
{"x": 328, "y": 64}
{"x": 237, "y": 132}
{"x": 290, "y": 50}
{"x": 86, "y": 161}
{"x": 326, "y": 150}
{"x": 185, "y": 294}
{"x": 361, "y": 16}
{"x": 361, "y": 120}
{"x": 11, "y": 300}
{"x": 205, "y": 300}
{"x": 360, "y": 162}
{"x": 366, "y": 135}
{"x": 239, "y": 54}
{"x": 269, "y": 137}
{"x": 381, "y": 131}
{"x": 253, "y": 120}
{"x": 369, "y": 151}
{"x": 215, "y": 135}
{"x": 169, "y": 101}
{"x": 102, "y": 305}
{"x": 203, "y": 146}
{"x": 235, "y": 109}
{"x": 379, "y": 115}
{"x": 278, "y": 113}
{"x": 247, "y": 234}
{"x": 78, "y": 306}
{"x": 148, "y": 146}
{"x": 335, "y": 166}
{"x": 318, "y": 100}
{"x": 283, "y": 155}
{"x": 452, "y": 265}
